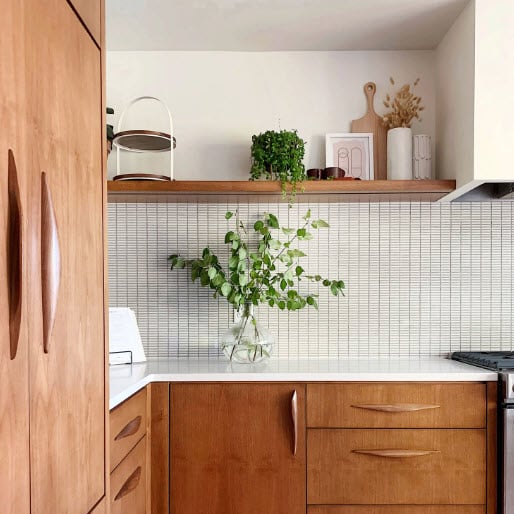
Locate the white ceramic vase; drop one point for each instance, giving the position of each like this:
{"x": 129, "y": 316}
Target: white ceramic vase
{"x": 399, "y": 154}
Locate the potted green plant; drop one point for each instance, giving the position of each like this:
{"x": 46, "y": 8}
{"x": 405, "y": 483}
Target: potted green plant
{"x": 266, "y": 272}
{"x": 279, "y": 156}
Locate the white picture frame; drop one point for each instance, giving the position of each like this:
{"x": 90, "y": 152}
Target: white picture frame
{"x": 353, "y": 152}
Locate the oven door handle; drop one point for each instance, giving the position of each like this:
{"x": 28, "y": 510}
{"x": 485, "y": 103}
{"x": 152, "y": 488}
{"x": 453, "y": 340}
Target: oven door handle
{"x": 508, "y": 458}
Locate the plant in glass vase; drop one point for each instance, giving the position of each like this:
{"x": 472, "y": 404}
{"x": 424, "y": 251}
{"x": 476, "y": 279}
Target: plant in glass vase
{"x": 263, "y": 268}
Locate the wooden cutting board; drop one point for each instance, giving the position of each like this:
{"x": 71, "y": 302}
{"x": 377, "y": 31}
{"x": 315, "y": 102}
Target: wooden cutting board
{"x": 372, "y": 122}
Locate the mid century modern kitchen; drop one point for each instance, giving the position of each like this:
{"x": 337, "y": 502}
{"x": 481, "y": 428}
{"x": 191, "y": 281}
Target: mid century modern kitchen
{"x": 261, "y": 259}
{"x": 358, "y": 410}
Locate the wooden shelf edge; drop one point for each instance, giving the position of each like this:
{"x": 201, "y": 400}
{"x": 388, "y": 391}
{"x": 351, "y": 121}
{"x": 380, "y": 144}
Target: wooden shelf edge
{"x": 379, "y": 187}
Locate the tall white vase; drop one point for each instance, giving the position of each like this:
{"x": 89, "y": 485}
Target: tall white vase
{"x": 399, "y": 154}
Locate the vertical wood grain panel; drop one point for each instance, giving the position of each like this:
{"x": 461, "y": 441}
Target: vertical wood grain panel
{"x": 159, "y": 446}
{"x": 14, "y": 381}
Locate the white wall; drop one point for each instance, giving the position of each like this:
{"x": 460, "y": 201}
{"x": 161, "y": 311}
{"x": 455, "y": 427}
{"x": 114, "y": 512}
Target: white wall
{"x": 220, "y": 99}
{"x": 455, "y": 61}
{"x": 494, "y": 105}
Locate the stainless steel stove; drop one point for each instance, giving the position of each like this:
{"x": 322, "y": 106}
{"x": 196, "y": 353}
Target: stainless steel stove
{"x": 503, "y": 362}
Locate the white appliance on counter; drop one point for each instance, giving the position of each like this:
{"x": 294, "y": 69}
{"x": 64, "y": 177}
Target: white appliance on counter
{"x": 125, "y": 344}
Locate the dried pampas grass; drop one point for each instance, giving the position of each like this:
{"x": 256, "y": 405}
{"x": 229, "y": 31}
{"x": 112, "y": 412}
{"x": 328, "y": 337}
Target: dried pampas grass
{"x": 403, "y": 108}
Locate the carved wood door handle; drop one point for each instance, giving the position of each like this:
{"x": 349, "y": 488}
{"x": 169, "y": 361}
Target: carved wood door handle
{"x": 396, "y": 454}
{"x": 130, "y": 484}
{"x": 396, "y": 407}
{"x": 14, "y": 254}
{"x": 50, "y": 262}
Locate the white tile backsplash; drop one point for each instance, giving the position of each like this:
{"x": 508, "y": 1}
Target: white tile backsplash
{"x": 422, "y": 279}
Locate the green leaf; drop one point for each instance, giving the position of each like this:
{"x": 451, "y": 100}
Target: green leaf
{"x": 307, "y": 237}
{"x": 283, "y": 284}
{"x": 312, "y": 301}
{"x": 228, "y": 215}
{"x": 243, "y": 279}
{"x": 295, "y": 253}
{"x": 334, "y": 289}
{"x": 259, "y": 225}
{"x": 204, "y": 278}
{"x": 273, "y": 221}
{"x": 320, "y": 224}
{"x": 212, "y": 273}
{"x": 301, "y": 232}
{"x": 281, "y": 305}
{"x": 288, "y": 231}
{"x": 226, "y": 288}
{"x": 229, "y": 236}
{"x": 242, "y": 253}
{"x": 233, "y": 262}
{"x": 326, "y": 283}
{"x": 299, "y": 271}
{"x": 307, "y": 215}
{"x": 275, "y": 244}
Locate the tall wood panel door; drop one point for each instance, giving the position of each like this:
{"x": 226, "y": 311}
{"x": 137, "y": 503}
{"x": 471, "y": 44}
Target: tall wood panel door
{"x": 237, "y": 449}
{"x": 67, "y": 373}
{"x": 14, "y": 400}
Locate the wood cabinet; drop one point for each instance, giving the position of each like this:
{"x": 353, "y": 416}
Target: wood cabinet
{"x": 128, "y": 482}
{"x": 14, "y": 339}
{"x": 393, "y": 445}
{"x": 90, "y": 12}
{"x": 392, "y": 467}
{"x": 51, "y": 150}
{"x": 237, "y": 448}
{"x": 130, "y": 449}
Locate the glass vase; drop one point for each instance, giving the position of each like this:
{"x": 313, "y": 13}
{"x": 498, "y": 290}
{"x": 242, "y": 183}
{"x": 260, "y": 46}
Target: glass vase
{"x": 247, "y": 341}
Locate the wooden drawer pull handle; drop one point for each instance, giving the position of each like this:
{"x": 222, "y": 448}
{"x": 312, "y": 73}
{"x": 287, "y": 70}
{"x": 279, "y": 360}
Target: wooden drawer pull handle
{"x": 131, "y": 483}
{"x": 396, "y": 454}
{"x": 14, "y": 254}
{"x": 130, "y": 429}
{"x": 396, "y": 407}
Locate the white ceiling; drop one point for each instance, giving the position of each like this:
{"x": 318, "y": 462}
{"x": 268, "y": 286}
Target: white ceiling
{"x": 263, "y": 25}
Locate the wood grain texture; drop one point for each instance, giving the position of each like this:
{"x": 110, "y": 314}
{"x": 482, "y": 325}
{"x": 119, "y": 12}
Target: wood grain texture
{"x": 14, "y": 380}
{"x": 456, "y": 475}
{"x": 231, "y": 449}
{"x": 492, "y": 448}
{"x": 160, "y": 450}
{"x": 372, "y": 122}
{"x": 461, "y": 405}
{"x": 90, "y": 12}
{"x": 101, "y": 507}
{"x": 123, "y": 416}
{"x": 128, "y": 483}
{"x": 396, "y": 509}
{"x": 67, "y": 422}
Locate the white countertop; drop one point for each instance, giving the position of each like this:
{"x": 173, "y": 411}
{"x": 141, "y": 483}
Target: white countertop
{"x": 127, "y": 380}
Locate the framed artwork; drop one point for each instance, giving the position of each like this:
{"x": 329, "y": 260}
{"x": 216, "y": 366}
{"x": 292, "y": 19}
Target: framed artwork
{"x": 351, "y": 152}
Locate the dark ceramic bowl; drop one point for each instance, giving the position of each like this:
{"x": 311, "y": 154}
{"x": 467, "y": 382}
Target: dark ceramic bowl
{"x": 316, "y": 174}
{"x": 334, "y": 172}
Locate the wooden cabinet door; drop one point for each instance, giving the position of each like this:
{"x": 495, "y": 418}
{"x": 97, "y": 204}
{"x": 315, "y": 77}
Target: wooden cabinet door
{"x": 232, "y": 449}
{"x": 67, "y": 359}
{"x": 90, "y": 12}
{"x": 14, "y": 406}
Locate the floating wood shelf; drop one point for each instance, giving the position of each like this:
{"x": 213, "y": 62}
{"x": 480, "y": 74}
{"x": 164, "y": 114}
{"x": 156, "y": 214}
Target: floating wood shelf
{"x": 325, "y": 191}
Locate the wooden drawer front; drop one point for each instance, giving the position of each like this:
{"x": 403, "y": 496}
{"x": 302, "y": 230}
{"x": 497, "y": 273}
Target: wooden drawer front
{"x": 396, "y": 405}
{"x": 397, "y": 509}
{"x": 341, "y": 471}
{"x": 128, "y": 426}
{"x": 128, "y": 483}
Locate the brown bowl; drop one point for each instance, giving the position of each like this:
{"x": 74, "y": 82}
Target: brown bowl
{"x": 334, "y": 172}
{"x": 316, "y": 174}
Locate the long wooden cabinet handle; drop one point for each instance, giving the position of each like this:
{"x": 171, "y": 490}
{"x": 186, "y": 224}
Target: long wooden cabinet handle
{"x": 130, "y": 428}
{"x": 294, "y": 416}
{"x": 396, "y": 454}
{"x": 14, "y": 254}
{"x": 396, "y": 407}
{"x": 50, "y": 262}
{"x": 131, "y": 483}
